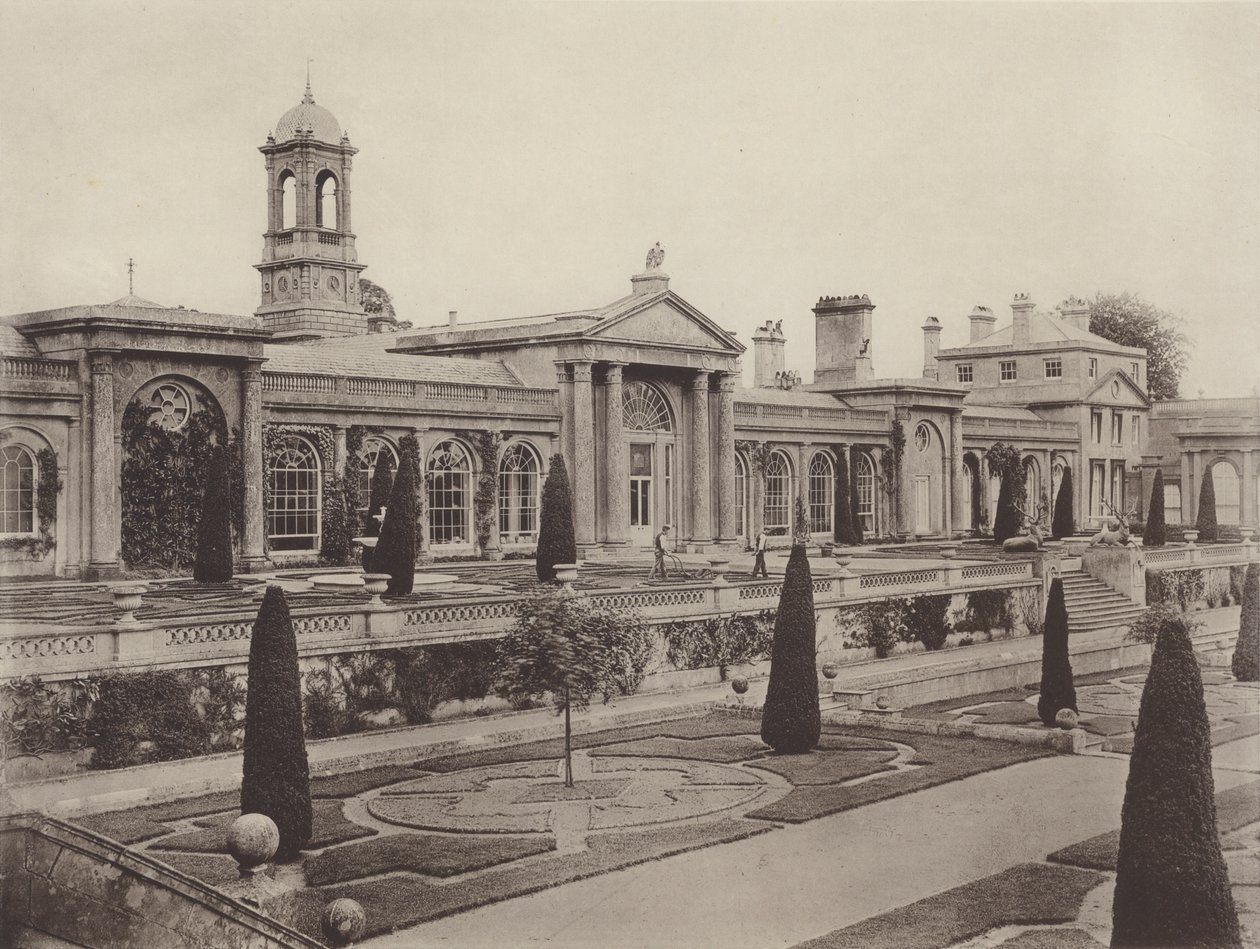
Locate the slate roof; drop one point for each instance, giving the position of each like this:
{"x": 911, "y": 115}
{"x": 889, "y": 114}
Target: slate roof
{"x": 1000, "y": 411}
{"x": 307, "y": 115}
{"x": 1042, "y": 328}
{"x": 366, "y": 356}
{"x": 13, "y": 343}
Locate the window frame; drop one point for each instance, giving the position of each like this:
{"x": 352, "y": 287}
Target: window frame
{"x": 515, "y": 514}
{"x": 30, "y": 489}
{"x": 1006, "y": 366}
{"x": 1093, "y": 367}
{"x": 774, "y": 477}
{"x": 448, "y": 483}
{"x": 822, "y": 493}
{"x": 1053, "y": 363}
{"x": 285, "y": 499}
{"x": 964, "y": 369}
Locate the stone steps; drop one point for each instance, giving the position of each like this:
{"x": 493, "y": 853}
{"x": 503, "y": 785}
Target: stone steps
{"x": 1092, "y": 605}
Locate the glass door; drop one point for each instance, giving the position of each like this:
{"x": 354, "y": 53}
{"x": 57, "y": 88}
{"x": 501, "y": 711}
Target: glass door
{"x": 641, "y": 520}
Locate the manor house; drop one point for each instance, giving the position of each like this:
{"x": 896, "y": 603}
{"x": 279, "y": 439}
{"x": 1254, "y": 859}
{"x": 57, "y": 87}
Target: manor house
{"x": 642, "y": 395}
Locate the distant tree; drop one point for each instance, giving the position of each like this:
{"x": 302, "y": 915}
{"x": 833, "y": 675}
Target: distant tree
{"x": 1004, "y": 460}
{"x": 395, "y": 552}
{"x": 214, "y": 534}
{"x": 555, "y": 523}
{"x": 1127, "y": 319}
{"x": 276, "y": 775}
{"x": 854, "y": 463}
{"x": 1246, "y": 661}
{"x": 843, "y": 507}
{"x": 1155, "y": 533}
{"x": 1172, "y": 887}
{"x": 554, "y": 649}
{"x": 1064, "y": 523}
{"x": 790, "y": 718}
{"x": 376, "y": 299}
{"x": 1206, "y": 523}
{"x": 1057, "y": 689}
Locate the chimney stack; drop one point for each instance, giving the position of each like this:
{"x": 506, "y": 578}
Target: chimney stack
{"x": 768, "y": 345}
{"x": 1075, "y": 311}
{"x": 842, "y": 334}
{"x": 452, "y": 318}
{"x": 931, "y": 347}
{"x": 1021, "y": 318}
{"x": 982, "y": 322}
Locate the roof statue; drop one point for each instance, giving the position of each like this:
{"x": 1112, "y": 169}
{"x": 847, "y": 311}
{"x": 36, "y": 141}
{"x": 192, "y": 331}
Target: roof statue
{"x": 866, "y": 345}
{"x": 655, "y": 257}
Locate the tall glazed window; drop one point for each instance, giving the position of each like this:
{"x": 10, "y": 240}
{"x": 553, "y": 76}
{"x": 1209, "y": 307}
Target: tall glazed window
{"x": 518, "y": 495}
{"x": 293, "y": 520}
{"x": 866, "y": 491}
{"x": 778, "y": 493}
{"x": 17, "y": 491}
{"x": 821, "y": 493}
{"x": 450, "y": 494}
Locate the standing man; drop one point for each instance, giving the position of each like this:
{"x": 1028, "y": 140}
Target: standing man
{"x": 658, "y": 569}
{"x": 759, "y": 548}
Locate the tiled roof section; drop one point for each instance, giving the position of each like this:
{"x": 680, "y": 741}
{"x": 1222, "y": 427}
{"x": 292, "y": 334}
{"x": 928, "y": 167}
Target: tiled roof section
{"x": 132, "y": 300}
{"x": 13, "y": 343}
{"x": 1043, "y": 328}
{"x": 307, "y": 115}
{"x": 788, "y": 397}
{"x": 1000, "y": 411}
{"x": 366, "y": 357}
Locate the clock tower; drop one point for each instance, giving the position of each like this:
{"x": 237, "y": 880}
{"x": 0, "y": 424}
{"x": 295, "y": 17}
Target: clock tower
{"x": 310, "y": 270}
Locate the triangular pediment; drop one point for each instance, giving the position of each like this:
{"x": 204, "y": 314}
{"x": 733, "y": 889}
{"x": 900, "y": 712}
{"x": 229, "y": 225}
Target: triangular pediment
{"x": 1116, "y": 388}
{"x": 665, "y": 320}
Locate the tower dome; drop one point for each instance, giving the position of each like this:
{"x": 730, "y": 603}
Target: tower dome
{"x": 307, "y": 115}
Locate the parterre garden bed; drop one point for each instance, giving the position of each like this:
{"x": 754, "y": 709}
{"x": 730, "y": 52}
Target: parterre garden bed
{"x": 642, "y": 793}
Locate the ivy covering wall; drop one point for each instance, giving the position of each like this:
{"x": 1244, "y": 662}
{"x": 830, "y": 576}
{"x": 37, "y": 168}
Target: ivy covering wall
{"x": 48, "y": 486}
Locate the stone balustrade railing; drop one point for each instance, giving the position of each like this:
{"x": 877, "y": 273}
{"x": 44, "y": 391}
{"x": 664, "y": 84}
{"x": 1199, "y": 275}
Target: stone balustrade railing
{"x": 70, "y": 651}
{"x": 26, "y": 367}
{"x": 1215, "y": 555}
{"x": 303, "y": 383}
{"x": 747, "y": 410}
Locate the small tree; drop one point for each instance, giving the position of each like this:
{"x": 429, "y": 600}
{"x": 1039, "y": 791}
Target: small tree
{"x": 555, "y": 526}
{"x": 1246, "y": 661}
{"x": 554, "y": 648}
{"x": 1057, "y": 690}
{"x": 1172, "y": 888}
{"x": 790, "y": 720}
{"x": 214, "y": 534}
{"x": 1064, "y": 523}
{"x": 379, "y": 490}
{"x": 334, "y": 536}
{"x": 856, "y": 521}
{"x": 843, "y": 507}
{"x": 1003, "y": 459}
{"x": 1206, "y": 523}
{"x": 1155, "y": 533}
{"x": 276, "y": 777}
{"x": 395, "y": 552}
{"x": 1007, "y": 520}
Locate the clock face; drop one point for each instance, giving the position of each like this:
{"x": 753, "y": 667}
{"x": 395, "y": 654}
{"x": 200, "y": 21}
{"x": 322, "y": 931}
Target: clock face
{"x": 282, "y": 284}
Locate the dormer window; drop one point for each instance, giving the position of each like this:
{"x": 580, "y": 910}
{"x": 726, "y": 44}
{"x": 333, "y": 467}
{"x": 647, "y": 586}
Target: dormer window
{"x": 1054, "y": 368}
{"x": 1134, "y": 373}
{"x": 1006, "y": 370}
{"x": 964, "y": 373}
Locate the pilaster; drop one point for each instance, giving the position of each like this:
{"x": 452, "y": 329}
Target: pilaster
{"x": 583, "y": 473}
{"x": 104, "y": 535}
{"x": 957, "y": 483}
{"x": 254, "y": 554}
{"x": 70, "y": 521}
{"x": 728, "y": 503}
{"x": 615, "y": 470}
{"x": 422, "y": 495}
{"x": 701, "y": 519}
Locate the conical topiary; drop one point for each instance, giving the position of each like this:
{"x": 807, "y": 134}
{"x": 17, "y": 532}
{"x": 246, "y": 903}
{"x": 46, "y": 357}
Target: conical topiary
{"x": 790, "y": 720}
{"x": 1057, "y": 689}
{"x": 379, "y": 489}
{"x": 1064, "y": 523}
{"x": 1246, "y": 661}
{"x": 853, "y": 497}
{"x": 1206, "y": 523}
{"x": 555, "y": 526}
{"x": 1172, "y": 888}
{"x": 1155, "y": 533}
{"x": 214, "y": 533}
{"x": 1006, "y": 521}
{"x": 276, "y": 778}
{"x": 395, "y": 552}
{"x": 843, "y": 508}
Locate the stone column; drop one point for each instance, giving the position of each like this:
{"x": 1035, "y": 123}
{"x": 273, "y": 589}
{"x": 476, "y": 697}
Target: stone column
{"x": 803, "y": 453}
{"x": 564, "y": 400}
{"x": 583, "y": 473}
{"x": 339, "y": 450}
{"x": 756, "y": 516}
{"x": 422, "y": 499}
{"x": 902, "y": 488}
{"x": 957, "y": 483}
{"x": 1196, "y": 465}
{"x": 701, "y": 520}
{"x": 253, "y": 547}
{"x": 104, "y": 535}
{"x": 1247, "y": 490}
{"x": 494, "y": 543}
{"x": 1185, "y": 488}
{"x": 728, "y": 503}
{"x": 71, "y": 523}
{"x": 615, "y": 486}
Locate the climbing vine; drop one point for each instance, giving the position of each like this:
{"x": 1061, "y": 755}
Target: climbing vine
{"x": 486, "y": 445}
{"x": 47, "y": 488}
{"x": 273, "y": 437}
{"x": 350, "y": 474}
{"x": 890, "y": 462}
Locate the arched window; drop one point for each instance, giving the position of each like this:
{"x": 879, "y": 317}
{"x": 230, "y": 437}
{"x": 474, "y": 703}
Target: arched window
{"x": 922, "y": 436}
{"x": 1032, "y": 483}
{"x": 644, "y": 409}
{"x": 778, "y": 493}
{"x": 450, "y": 494}
{"x": 373, "y": 451}
{"x": 288, "y": 200}
{"x": 293, "y": 521}
{"x": 970, "y": 492}
{"x": 741, "y": 495}
{"x": 1225, "y": 480}
{"x": 865, "y": 487}
{"x": 518, "y": 495}
{"x": 822, "y": 487}
{"x": 17, "y": 491}
{"x": 1056, "y": 480}
{"x": 326, "y": 200}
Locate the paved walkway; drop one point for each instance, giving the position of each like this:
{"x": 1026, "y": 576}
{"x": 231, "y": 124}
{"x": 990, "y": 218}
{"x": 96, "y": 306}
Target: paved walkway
{"x": 778, "y": 889}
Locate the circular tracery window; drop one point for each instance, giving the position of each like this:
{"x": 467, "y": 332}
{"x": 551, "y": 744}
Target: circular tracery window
{"x": 922, "y": 436}
{"x": 171, "y": 406}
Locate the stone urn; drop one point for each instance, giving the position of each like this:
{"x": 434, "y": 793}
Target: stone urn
{"x": 830, "y": 670}
{"x": 1247, "y": 533}
{"x": 719, "y": 567}
{"x": 375, "y": 584}
{"x": 566, "y": 574}
{"x": 949, "y": 551}
{"x": 127, "y": 598}
{"x": 252, "y": 840}
{"x": 1190, "y": 537}
{"x": 342, "y": 922}
{"x": 843, "y": 559}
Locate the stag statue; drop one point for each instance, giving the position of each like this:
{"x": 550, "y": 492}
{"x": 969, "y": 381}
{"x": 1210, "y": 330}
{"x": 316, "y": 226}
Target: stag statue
{"x": 1031, "y": 541}
{"x": 1117, "y": 535}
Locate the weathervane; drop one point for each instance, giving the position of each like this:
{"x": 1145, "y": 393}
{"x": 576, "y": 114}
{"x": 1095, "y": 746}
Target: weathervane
{"x": 131, "y": 270}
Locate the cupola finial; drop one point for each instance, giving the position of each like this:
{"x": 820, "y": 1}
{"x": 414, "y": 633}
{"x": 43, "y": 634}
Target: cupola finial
{"x": 308, "y": 97}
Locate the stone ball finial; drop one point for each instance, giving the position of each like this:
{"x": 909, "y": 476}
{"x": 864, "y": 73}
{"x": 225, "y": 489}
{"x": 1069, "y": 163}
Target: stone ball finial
{"x": 252, "y": 840}
{"x": 1066, "y": 719}
{"x": 342, "y": 921}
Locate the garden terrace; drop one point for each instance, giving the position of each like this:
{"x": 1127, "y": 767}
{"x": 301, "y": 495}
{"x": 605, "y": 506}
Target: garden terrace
{"x": 61, "y": 630}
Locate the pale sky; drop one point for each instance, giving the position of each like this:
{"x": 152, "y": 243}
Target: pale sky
{"x": 519, "y": 159}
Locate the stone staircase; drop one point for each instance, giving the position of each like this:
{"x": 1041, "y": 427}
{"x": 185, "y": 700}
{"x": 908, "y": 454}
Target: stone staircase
{"x": 1092, "y": 605}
